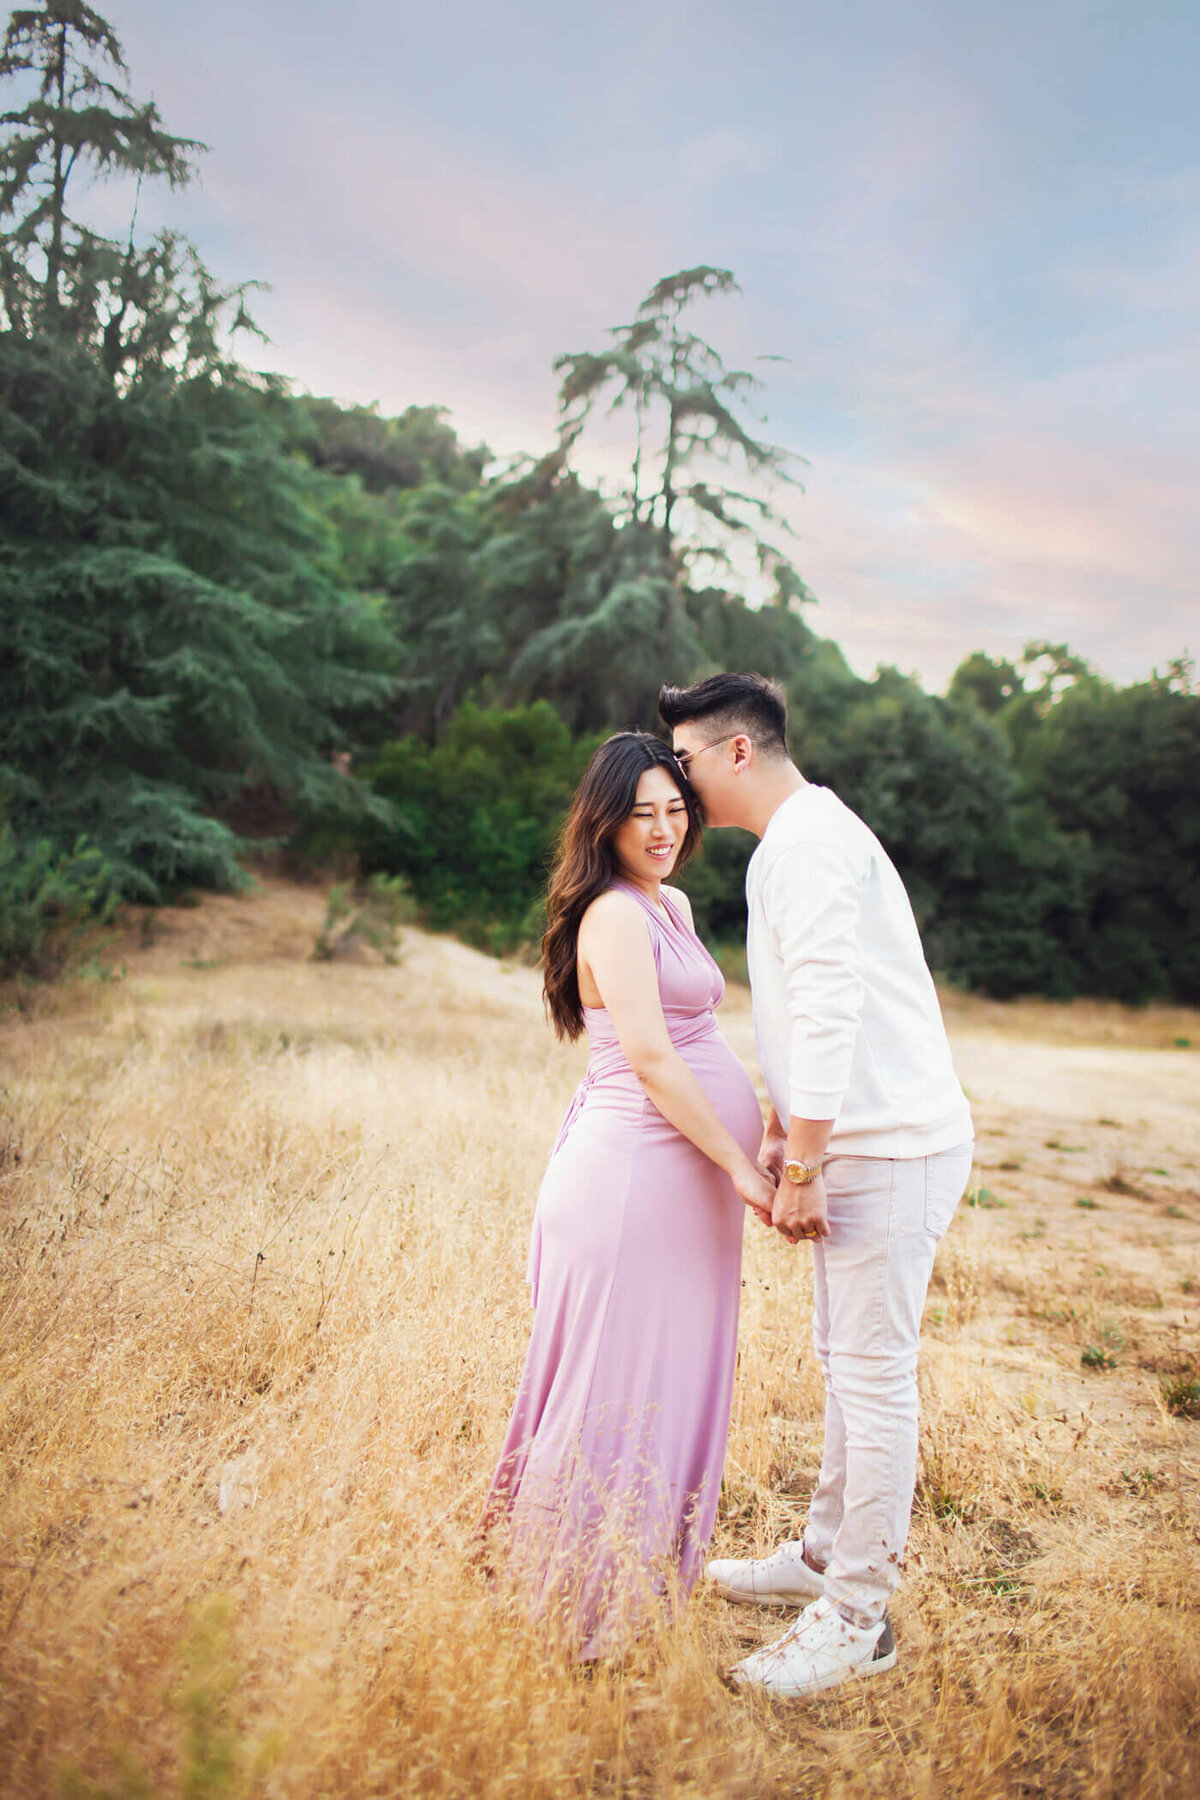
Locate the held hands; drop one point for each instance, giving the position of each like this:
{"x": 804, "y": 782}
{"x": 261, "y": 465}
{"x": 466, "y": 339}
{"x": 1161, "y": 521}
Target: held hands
{"x": 801, "y": 1212}
{"x": 756, "y": 1187}
{"x": 772, "y": 1152}
{"x": 796, "y": 1212}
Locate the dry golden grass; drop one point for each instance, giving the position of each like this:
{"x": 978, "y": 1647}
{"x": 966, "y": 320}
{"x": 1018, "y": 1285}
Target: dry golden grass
{"x": 264, "y": 1225}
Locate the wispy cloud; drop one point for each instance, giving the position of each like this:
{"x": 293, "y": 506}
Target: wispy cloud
{"x": 982, "y": 267}
{"x": 717, "y": 154}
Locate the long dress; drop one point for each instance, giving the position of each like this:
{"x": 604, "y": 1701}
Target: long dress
{"x": 608, "y": 1481}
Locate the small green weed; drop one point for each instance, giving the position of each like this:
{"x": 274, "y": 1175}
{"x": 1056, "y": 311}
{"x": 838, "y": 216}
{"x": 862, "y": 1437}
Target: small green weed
{"x": 1181, "y": 1394}
{"x": 1085, "y": 1203}
{"x": 937, "y": 1494}
{"x": 1104, "y": 1354}
{"x": 985, "y": 1199}
{"x": 1003, "y": 1586}
{"x": 1142, "y": 1481}
{"x": 1057, "y": 1315}
{"x": 213, "y": 1765}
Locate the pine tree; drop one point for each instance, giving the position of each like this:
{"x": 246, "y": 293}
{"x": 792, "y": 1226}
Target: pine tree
{"x": 685, "y": 404}
{"x": 174, "y": 631}
{"x": 53, "y": 270}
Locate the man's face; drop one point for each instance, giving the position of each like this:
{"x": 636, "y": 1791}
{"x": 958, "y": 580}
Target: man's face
{"x": 708, "y": 760}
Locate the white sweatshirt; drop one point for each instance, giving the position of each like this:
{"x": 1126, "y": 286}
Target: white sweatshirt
{"x": 846, "y": 1016}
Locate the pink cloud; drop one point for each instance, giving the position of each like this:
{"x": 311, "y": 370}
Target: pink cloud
{"x": 1020, "y": 540}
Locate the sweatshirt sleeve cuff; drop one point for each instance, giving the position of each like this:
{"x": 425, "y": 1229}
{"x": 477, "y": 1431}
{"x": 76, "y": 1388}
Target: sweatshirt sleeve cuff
{"x": 817, "y": 1103}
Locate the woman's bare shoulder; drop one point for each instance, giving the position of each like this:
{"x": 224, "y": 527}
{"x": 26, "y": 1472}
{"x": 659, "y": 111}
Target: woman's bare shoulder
{"x": 681, "y": 900}
{"x": 613, "y": 910}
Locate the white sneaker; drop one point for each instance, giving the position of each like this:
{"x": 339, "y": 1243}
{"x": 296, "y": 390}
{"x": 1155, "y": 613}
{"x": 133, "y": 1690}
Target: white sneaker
{"x": 820, "y": 1651}
{"x": 783, "y": 1579}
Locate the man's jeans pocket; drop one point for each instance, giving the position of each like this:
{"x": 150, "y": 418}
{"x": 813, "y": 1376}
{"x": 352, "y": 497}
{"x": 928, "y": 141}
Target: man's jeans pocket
{"x": 946, "y": 1177}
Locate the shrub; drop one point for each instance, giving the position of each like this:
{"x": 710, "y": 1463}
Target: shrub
{"x": 478, "y": 816}
{"x": 1181, "y": 1393}
{"x": 51, "y": 901}
{"x": 371, "y": 916}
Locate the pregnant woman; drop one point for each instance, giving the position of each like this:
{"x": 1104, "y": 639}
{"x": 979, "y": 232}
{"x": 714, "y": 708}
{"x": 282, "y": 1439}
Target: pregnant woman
{"x": 607, "y": 1486}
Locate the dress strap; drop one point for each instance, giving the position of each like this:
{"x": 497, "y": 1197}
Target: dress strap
{"x": 655, "y": 912}
{"x": 673, "y": 913}
{"x": 637, "y": 893}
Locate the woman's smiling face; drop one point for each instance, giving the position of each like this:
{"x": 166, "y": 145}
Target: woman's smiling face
{"x": 647, "y": 842}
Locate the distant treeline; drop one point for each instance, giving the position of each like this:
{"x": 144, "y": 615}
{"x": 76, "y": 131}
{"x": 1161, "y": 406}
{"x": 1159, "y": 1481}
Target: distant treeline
{"x": 233, "y": 616}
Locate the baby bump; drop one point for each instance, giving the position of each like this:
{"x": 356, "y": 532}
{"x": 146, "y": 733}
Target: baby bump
{"x": 727, "y": 1088}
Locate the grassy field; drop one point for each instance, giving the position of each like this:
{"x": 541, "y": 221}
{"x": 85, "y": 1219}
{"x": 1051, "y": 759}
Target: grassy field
{"x": 263, "y": 1225}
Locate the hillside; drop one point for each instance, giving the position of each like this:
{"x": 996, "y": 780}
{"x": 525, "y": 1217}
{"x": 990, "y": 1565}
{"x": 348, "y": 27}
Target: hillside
{"x": 264, "y": 1224}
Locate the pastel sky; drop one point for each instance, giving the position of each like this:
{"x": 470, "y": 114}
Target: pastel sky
{"x": 972, "y": 226}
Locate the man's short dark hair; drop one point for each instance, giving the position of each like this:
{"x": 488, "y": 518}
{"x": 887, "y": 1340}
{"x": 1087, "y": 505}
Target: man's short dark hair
{"x": 729, "y": 704}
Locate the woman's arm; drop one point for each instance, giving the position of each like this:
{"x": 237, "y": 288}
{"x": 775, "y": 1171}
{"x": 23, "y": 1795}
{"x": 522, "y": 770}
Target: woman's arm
{"x": 614, "y": 946}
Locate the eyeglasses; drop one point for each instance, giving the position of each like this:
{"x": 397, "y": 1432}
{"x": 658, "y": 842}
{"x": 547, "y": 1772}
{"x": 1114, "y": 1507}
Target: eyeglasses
{"x": 689, "y": 756}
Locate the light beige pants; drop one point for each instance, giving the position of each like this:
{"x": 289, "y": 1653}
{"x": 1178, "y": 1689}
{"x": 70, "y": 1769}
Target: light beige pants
{"x": 871, "y": 1277}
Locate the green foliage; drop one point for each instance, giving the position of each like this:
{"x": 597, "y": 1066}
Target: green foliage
{"x": 482, "y": 807}
{"x": 214, "y": 1761}
{"x": 174, "y": 636}
{"x": 385, "y": 454}
{"x": 372, "y": 916}
{"x": 55, "y": 272}
{"x": 684, "y": 404}
{"x": 1181, "y": 1393}
{"x": 202, "y": 1699}
{"x": 51, "y": 901}
{"x": 176, "y": 639}
{"x": 1119, "y": 768}
{"x": 1098, "y": 891}
{"x": 986, "y": 683}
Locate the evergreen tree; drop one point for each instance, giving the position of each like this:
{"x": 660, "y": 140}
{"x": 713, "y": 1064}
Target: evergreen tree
{"x": 1119, "y": 769}
{"x": 174, "y": 634}
{"x": 386, "y": 454}
{"x": 594, "y": 610}
{"x": 53, "y": 270}
{"x": 683, "y": 401}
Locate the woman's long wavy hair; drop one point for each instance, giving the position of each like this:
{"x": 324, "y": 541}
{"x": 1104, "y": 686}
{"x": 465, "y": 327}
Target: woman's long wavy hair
{"x": 586, "y": 862}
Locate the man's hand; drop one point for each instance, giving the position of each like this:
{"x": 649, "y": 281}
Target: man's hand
{"x": 801, "y": 1212}
{"x": 772, "y": 1152}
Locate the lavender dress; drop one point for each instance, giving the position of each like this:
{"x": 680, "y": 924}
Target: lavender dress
{"x": 611, "y": 1469}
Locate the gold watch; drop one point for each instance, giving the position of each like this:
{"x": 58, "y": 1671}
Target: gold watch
{"x": 801, "y": 1173}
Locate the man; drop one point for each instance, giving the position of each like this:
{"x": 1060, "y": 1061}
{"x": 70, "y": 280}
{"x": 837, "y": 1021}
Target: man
{"x": 870, "y": 1140}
